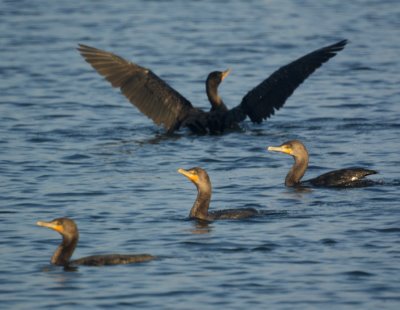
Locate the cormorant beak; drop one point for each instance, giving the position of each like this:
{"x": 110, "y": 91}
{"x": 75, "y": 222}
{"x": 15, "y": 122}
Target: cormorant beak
{"x": 225, "y": 74}
{"x": 51, "y": 225}
{"x": 192, "y": 177}
{"x": 282, "y": 149}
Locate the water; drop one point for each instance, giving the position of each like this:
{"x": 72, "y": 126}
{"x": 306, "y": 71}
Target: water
{"x": 73, "y": 146}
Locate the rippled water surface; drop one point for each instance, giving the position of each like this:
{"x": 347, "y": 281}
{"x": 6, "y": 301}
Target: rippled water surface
{"x": 73, "y": 146}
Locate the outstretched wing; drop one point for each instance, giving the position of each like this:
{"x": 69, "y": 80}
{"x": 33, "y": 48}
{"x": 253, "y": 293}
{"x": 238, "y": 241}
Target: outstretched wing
{"x": 150, "y": 94}
{"x": 262, "y": 101}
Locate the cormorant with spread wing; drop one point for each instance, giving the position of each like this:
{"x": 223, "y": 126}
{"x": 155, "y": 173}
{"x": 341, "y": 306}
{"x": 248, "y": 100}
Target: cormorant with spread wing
{"x": 167, "y": 107}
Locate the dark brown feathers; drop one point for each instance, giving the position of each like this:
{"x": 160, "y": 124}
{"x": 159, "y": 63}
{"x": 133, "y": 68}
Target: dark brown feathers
{"x": 70, "y": 235}
{"x": 165, "y": 106}
{"x": 111, "y": 259}
{"x": 348, "y": 177}
{"x": 261, "y": 102}
{"x": 150, "y": 94}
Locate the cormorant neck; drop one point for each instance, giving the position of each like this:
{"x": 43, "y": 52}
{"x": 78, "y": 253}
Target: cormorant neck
{"x": 65, "y": 250}
{"x": 202, "y": 203}
{"x": 297, "y": 171}
{"x": 214, "y": 98}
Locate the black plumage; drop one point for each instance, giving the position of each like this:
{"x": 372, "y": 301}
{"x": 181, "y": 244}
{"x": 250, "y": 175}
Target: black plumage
{"x": 166, "y": 107}
{"x": 347, "y": 177}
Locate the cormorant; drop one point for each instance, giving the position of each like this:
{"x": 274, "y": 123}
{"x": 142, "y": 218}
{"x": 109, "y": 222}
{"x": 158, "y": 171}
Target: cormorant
{"x": 167, "y": 107}
{"x": 200, "y": 207}
{"x": 347, "y": 177}
{"x": 70, "y": 235}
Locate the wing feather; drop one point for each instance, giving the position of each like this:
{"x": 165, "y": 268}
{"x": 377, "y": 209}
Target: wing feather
{"x": 144, "y": 89}
{"x": 270, "y": 95}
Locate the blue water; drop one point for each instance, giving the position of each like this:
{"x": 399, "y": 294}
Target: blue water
{"x": 73, "y": 146}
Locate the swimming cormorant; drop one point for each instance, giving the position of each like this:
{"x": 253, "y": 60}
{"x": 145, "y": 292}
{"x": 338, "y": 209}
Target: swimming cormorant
{"x": 167, "y": 107}
{"x": 347, "y": 177}
{"x": 200, "y": 207}
{"x": 70, "y": 235}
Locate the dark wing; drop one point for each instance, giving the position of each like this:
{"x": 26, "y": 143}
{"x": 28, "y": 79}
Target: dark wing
{"x": 150, "y": 94}
{"x": 111, "y": 259}
{"x": 347, "y": 177}
{"x": 261, "y": 102}
{"x": 241, "y": 213}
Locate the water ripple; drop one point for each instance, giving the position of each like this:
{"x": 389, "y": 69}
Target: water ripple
{"x": 74, "y": 146}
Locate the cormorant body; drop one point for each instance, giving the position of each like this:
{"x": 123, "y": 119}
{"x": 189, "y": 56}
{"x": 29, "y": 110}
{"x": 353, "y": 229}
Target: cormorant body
{"x": 348, "y": 177}
{"x": 200, "y": 207}
{"x": 70, "y": 236}
{"x": 167, "y": 107}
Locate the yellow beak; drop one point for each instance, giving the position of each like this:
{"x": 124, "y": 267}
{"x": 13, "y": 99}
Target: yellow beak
{"x": 225, "y": 74}
{"x": 282, "y": 149}
{"x": 51, "y": 225}
{"x": 192, "y": 177}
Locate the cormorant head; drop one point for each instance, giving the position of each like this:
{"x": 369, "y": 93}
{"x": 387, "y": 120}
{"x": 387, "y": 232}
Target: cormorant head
{"x": 216, "y": 77}
{"x": 198, "y": 176}
{"x": 292, "y": 147}
{"x": 65, "y": 226}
